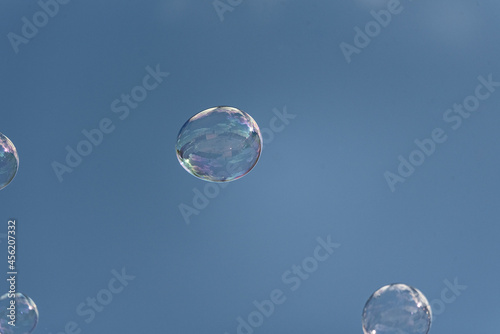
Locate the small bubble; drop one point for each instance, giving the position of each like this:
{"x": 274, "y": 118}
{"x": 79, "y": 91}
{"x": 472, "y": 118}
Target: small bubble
{"x": 397, "y": 309}
{"x": 9, "y": 161}
{"x": 26, "y": 314}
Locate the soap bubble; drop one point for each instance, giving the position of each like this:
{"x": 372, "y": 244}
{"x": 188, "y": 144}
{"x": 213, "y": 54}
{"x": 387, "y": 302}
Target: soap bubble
{"x": 219, "y": 144}
{"x": 9, "y": 161}
{"x": 26, "y": 314}
{"x": 397, "y": 309}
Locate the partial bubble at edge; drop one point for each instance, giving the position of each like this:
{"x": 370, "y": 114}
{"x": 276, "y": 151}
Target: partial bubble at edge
{"x": 26, "y": 313}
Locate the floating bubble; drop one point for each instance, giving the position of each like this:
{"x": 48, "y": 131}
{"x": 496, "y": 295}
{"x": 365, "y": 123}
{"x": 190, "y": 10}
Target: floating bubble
{"x": 9, "y": 161}
{"x": 397, "y": 309}
{"x": 26, "y": 314}
{"x": 219, "y": 144}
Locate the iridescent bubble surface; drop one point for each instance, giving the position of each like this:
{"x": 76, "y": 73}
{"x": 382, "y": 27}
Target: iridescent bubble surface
{"x": 26, "y": 314}
{"x": 219, "y": 144}
{"x": 9, "y": 161}
{"x": 397, "y": 309}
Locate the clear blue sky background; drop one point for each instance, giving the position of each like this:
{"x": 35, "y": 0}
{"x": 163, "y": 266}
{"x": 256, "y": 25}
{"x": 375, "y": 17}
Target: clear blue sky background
{"x": 322, "y": 175}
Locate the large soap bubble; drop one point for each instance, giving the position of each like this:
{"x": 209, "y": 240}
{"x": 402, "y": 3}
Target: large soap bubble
{"x": 397, "y": 309}
{"x": 9, "y": 161}
{"x": 26, "y": 314}
{"x": 219, "y": 144}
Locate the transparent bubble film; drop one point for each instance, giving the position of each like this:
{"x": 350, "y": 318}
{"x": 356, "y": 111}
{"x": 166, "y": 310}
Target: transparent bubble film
{"x": 9, "y": 161}
{"x": 219, "y": 144}
{"x": 26, "y": 314}
{"x": 397, "y": 309}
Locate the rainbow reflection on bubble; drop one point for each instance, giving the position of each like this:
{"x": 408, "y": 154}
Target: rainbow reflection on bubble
{"x": 9, "y": 161}
{"x": 26, "y": 314}
{"x": 219, "y": 144}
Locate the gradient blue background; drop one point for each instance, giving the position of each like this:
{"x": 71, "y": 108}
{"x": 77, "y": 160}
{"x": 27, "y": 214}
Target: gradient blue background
{"x": 322, "y": 175}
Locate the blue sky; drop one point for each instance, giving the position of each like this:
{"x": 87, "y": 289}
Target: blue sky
{"x": 111, "y": 230}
